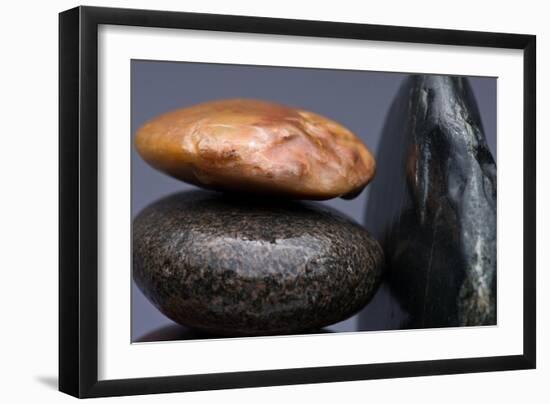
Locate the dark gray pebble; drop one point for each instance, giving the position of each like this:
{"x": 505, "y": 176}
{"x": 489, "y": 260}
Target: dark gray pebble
{"x": 230, "y": 266}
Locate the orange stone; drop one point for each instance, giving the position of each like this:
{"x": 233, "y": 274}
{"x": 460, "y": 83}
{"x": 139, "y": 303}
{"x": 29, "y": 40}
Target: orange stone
{"x": 257, "y": 147}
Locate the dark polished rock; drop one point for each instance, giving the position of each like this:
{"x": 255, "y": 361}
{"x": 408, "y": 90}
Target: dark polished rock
{"x": 433, "y": 205}
{"x": 176, "y": 332}
{"x": 249, "y": 267}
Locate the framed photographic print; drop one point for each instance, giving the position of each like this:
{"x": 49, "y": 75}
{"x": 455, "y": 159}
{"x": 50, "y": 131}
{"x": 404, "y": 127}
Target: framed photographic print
{"x": 252, "y": 201}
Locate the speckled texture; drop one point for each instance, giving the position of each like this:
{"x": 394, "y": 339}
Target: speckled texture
{"x": 232, "y": 266}
{"x": 433, "y": 205}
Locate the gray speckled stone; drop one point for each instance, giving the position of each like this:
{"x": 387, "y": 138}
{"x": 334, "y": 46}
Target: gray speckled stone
{"x": 248, "y": 267}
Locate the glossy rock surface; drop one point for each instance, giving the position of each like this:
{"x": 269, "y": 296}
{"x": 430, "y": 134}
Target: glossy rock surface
{"x": 257, "y": 147}
{"x": 248, "y": 267}
{"x": 433, "y": 205}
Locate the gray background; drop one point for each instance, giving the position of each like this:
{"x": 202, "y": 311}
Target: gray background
{"x": 357, "y": 99}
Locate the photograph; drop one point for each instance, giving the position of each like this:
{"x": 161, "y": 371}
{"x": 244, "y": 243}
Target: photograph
{"x": 271, "y": 201}
{"x": 250, "y": 201}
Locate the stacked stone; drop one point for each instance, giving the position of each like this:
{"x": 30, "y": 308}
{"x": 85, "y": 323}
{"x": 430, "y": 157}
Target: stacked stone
{"x": 254, "y": 259}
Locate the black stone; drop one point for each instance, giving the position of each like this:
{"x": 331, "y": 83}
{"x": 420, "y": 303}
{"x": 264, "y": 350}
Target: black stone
{"x": 229, "y": 266}
{"x": 433, "y": 205}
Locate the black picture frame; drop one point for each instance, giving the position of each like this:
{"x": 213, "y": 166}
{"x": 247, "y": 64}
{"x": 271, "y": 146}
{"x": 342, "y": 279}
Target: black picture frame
{"x": 78, "y": 203}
